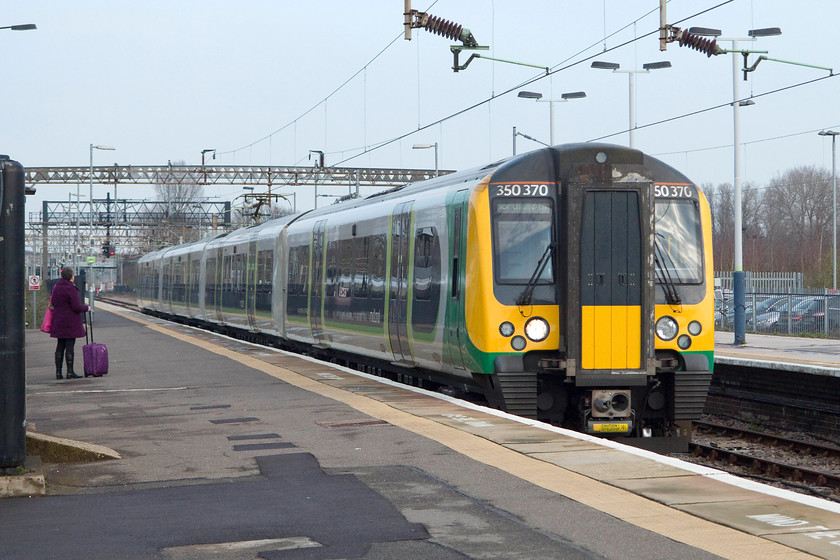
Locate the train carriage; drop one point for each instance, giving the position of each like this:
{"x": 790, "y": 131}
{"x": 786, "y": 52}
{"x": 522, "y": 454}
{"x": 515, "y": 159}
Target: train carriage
{"x": 570, "y": 284}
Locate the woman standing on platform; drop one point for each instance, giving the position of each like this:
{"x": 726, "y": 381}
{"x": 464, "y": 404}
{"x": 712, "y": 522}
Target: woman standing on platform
{"x": 67, "y": 324}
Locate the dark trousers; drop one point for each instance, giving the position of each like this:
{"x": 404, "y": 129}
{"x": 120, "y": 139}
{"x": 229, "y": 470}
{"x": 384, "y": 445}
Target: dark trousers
{"x": 65, "y": 349}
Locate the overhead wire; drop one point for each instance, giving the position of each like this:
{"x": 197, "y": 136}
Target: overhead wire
{"x": 759, "y": 141}
{"x": 364, "y": 69}
{"x": 562, "y": 66}
{"x": 325, "y": 99}
{"x": 726, "y": 104}
{"x": 553, "y": 70}
{"x": 624, "y": 131}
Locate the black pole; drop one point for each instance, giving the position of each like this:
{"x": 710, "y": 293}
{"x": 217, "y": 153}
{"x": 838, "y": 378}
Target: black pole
{"x": 12, "y": 341}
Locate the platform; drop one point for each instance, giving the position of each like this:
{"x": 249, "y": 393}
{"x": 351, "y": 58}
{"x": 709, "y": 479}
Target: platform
{"x": 240, "y": 451}
{"x": 818, "y": 356}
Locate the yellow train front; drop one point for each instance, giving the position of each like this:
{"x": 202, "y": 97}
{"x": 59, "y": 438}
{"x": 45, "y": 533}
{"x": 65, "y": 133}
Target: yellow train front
{"x": 592, "y": 304}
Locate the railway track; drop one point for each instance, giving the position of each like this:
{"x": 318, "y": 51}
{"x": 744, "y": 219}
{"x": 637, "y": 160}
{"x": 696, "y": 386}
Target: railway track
{"x": 125, "y": 303}
{"x": 771, "y": 457}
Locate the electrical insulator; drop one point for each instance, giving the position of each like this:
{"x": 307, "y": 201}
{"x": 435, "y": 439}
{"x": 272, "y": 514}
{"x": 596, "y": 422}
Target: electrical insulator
{"x": 440, "y": 26}
{"x": 698, "y": 43}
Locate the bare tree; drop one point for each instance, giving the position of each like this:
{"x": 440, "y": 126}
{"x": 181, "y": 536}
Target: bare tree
{"x": 798, "y": 206}
{"x": 177, "y": 222}
{"x": 178, "y": 192}
{"x": 722, "y": 203}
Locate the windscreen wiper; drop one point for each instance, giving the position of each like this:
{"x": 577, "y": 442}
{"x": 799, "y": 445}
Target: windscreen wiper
{"x": 663, "y": 275}
{"x": 525, "y": 297}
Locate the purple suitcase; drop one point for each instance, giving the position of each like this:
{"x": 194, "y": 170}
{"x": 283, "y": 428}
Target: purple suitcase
{"x": 95, "y": 355}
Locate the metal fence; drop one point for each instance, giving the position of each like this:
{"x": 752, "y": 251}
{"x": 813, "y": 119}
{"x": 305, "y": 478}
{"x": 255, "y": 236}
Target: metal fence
{"x": 764, "y": 282}
{"x": 797, "y": 314}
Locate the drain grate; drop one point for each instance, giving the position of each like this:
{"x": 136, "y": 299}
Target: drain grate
{"x": 235, "y": 420}
{"x": 253, "y": 436}
{"x": 263, "y": 446}
{"x": 210, "y": 407}
{"x": 353, "y": 423}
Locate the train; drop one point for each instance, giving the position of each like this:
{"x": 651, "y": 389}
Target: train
{"x": 571, "y": 284}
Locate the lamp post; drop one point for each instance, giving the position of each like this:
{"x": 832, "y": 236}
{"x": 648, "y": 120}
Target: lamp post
{"x": 738, "y": 279}
{"x": 646, "y": 68}
{"x": 78, "y": 219}
{"x": 563, "y": 98}
{"x": 426, "y": 147}
{"x": 833, "y": 135}
{"x": 90, "y": 225}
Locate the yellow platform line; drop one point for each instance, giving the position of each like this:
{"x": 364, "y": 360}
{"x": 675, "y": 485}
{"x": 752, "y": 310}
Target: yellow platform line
{"x": 621, "y": 504}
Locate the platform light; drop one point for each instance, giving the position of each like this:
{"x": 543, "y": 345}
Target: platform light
{"x": 615, "y": 67}
{"x": 564, "y": 97}
{"x": 738, "y": 276}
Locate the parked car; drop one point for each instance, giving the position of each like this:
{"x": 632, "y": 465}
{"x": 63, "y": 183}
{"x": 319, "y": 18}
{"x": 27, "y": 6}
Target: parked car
{"x": 765, "y": 305}
{"x": 769, "y": 321}
{"x": 814, "y": 315}
{"x": 807, "y": 316}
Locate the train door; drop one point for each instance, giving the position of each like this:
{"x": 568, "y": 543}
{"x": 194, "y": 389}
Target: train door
{"x": 611, "y": 250}
{"x": 398, "y": 283}
{"x": 316, "y": 299}
{"x": 456, "y": 334}
{"x": 251, "y": 284}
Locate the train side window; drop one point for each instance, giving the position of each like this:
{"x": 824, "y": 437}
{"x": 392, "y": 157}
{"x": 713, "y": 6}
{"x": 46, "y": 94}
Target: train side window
{"x": 332, "y": 268}
{"x": 265, "y": 266}
{"x": 210, "y": 280}
{"x": 377, "y": 268}
{"x": 195, "y": 277}
{"x": 298, "y": 269}
{"x": 345, "y": 268}
{"x": 426, "y": 263}
{"x": 456, "y": 252}
{"x": 361, "y": 255}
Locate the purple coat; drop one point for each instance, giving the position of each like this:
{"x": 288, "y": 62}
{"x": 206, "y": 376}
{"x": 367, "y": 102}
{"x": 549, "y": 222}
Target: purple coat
{"x": 67, "y": 309}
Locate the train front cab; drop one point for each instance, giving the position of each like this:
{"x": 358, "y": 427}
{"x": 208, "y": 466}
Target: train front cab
{"x": 586, "y": 301}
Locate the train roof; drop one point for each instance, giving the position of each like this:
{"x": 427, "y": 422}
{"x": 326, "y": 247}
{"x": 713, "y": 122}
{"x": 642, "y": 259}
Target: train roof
{"x": 556, "y": 160}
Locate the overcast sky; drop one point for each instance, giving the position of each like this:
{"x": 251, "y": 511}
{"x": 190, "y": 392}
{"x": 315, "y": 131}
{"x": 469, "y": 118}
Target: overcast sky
{"x": 264, "y": 82}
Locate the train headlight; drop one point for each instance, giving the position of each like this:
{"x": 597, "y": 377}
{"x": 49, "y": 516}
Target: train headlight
{"x": 667, "y": 328}
{"x": 694, "y": 328}
{"x": 518, "y": 343}
{"x": 684, "y": 342}
{"x": 536, "y": 329}
{"x": 506, "y": 329}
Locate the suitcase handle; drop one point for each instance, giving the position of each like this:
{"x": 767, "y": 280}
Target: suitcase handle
{"x": 90, "y": 323}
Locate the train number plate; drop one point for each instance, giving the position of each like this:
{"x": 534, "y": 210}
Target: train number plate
{"x": 611, "y": 427}
{"x": 674, "y": 191}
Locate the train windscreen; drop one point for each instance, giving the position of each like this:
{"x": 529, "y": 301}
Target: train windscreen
{"x": 679, "y": 240}
{"x": 522, "y": 232}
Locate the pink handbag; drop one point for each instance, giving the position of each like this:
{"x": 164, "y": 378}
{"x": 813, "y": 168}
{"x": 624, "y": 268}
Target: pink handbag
{"x": 47, "y": 324}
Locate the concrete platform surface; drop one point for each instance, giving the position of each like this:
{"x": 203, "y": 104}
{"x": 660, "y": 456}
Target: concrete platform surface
{"x": 818, "y": 356}
{"x": 237, "y": 451}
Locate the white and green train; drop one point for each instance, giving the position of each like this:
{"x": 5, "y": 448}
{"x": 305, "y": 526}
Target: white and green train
{"x": 572, "y": 284}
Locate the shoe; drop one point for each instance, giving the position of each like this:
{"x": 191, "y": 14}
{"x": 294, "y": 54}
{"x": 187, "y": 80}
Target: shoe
{"x": 58, "y": 375}
{"x": 71, "y": 375}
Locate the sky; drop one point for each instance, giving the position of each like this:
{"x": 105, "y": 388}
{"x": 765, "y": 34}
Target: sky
{"x": 263, "y": 82}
